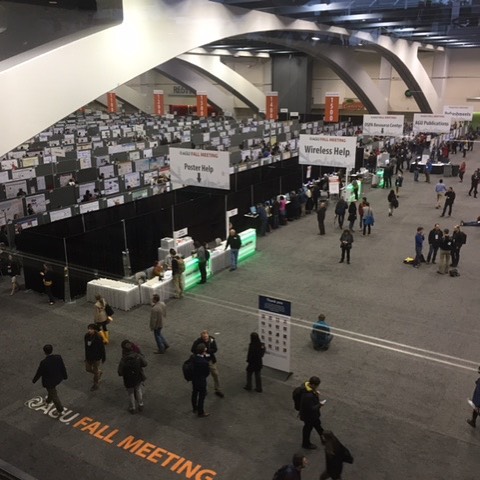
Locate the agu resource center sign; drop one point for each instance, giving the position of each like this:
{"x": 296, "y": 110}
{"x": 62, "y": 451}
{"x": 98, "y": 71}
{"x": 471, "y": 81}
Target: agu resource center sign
{"x": 327, "y": 150}
{"x": 428, "y": 123}
{"x": 201, "y": 168}
{"x": 383, "y": 125}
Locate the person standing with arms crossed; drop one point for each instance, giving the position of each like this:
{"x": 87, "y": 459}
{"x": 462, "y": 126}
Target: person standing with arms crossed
{"x": 52, "y": 371}
{"x": 234, "y": 242}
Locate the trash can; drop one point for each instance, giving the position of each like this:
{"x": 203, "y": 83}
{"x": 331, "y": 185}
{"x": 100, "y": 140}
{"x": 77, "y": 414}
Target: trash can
{"x": 447, "y": 170}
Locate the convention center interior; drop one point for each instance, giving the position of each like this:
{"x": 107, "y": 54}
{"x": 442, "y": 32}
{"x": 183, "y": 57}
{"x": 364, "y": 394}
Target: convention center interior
{"x": 238, "y": 239}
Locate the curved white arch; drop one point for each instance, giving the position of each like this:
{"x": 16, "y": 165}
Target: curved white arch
{"x": 46, "y": 84}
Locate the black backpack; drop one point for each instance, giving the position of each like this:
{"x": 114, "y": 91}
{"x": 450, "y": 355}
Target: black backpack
{"x": 297, "y": 397}
{"x": 132, "y": 370}
{"x": 187, "y": 368}
{"x": 282, "y": 472}
{"x": 207, "y": 254}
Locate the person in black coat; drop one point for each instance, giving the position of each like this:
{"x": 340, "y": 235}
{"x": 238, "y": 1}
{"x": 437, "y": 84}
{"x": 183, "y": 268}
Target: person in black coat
{"x": 52, "y": 371}
{"x": 352, "y": 215}
{"x": 94, "y": 354}
{"x": 346, "y": 241}
{"x": 131, "y": 368}
{"x": 256, "y": 350}
{"x": 201, "y": 370}
{"x": 310, "y": 412}
{"x": 335, "y": 456}
{"x": 322, "y": 209}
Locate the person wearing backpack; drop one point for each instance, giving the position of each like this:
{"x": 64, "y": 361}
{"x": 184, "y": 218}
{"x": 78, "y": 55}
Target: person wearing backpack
{"x": 178, "y": 269}
{"x": 131, "y": 369}
{"x": 200, "y": 372}
{"x": 336, "y": 455}
{"x": 292, "y": 471}
{"x": 309, "y": 405}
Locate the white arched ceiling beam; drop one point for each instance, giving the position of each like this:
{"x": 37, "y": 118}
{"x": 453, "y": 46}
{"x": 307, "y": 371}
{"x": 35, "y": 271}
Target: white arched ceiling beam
{"x": 341, "y": 60}
{"x": 213, "y": 67}
{"x": 180, "y": 72}
{"x": 48, "y": 83}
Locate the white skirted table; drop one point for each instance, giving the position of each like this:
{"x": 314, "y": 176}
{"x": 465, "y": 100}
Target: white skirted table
{"x": 183, "y": 247}
{"x": 118, "y": 294}
{"x": 163, "y": 288}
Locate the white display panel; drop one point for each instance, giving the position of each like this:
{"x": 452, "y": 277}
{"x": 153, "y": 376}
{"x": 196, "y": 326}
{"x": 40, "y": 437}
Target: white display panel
{"x": 111, "y": 202}
{"x": 132, "y": 180}
{"x": 459, "y": 112}
{"x": 383, "y": 125}
{"x": 60, "y": 214}
{"x": 111, "y": 186}
{"x": 10, "y": 209}
{"x": 12, "y": 188}
{"x": 124, "y": 168}
{"x": 89, "y": 207}
{"x": 326, "y": 150}
{"x": 429, "y": 123}
{"x": 38, "y": 203}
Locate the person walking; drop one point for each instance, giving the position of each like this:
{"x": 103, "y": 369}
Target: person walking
{"x": 13, "y": 269}
{"x": 440, "y": 190}
{"x": 419, "y": 239}
{"x": 158, "y": 313}
{"x": 445, "y": 252}
{"x": 94, "y": 354}
{"x": 52, "y": 371}
{"x": 336, "y": 455}
{"x": 392, "y": 202}
{"x": 352, "y": 215}
{"x": 428, "y": 170}
{"x": 434, "y": 240}
{"x": 256, "y": 351}
{"x": 210, "y": 355}
{"x": 398, "y": 183}
{"x": 101, "y": 318}
{"x": 131, "y": 367}
{"x": 234, "y": 242}
{"x": 340, "y": 209}
{"x": 47, "y": 275}
{"x": 476, "y": 402}
{"x": 461, "y": 171}
{"x": 346, "y": 241}
{"x": 475, "y": 178}
{"x": 368, "y": 219}
{"x": 200, "y": 372}
{"x": 310, "y": 405}
{"x": 322, "y": 209}
{"x": 292, "y": 471}
{"x": 178, "y": 269}
{"x": 449, "y": 199}
{"x": 459, "y": 239}
{"x": 361, "y": 207}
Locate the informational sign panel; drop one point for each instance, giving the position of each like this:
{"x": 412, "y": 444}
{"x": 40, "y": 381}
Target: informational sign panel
{"x": 183, "y": 232}
{"x": 334, "y": 185}
{"x": 201, "y": 168}
{"x": 274, "y": 317}
{"x": 202, "y": 104}
{"x": 459, "y": 112}
{"x": 112, "y": 102}
{"x": 332, "y": 102}
{"x": 158, "y": 102}
{"x": 424, "y": 122}
{"x": 391, "y": 125}
{"x": 271, "y": 111}
{"x": 327, "y": 150}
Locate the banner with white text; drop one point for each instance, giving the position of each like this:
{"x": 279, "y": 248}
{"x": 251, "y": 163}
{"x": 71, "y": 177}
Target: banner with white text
{"x": 328, "y": 151}
{"x": 390, "y": 125}
{"x": 429, "y": 123}
{"x": 200, "y": 168}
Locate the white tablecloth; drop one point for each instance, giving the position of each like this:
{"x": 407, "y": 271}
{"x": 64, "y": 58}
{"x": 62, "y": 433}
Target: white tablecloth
{"x": 219, "y": 258}
{"x": 163, "y": 288}
{"x": 120, "y": 295}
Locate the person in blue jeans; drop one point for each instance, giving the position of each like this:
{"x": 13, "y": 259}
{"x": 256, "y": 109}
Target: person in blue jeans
{"x": 419, "y": 238}
{"x": 234, "y": 242}
{"x": 157, "y": 317}
{"x": 320, "y": 334}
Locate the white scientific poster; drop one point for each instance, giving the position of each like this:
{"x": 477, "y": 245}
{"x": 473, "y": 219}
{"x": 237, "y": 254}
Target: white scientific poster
{"x": 327, "y": 150}
{"x": 274, "y": 330}
{"x": 429, "y": 123}
{"x": 201, "y": 168}
{"x": 38, "y": 203}
{"x": 56, "y": 215}
{"x": 10, "y": 208}
{"x": 391, "y": 125}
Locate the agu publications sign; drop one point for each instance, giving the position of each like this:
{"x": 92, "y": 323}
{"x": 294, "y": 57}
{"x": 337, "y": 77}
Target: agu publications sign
{"x": 424, "y": 122}
{"x": 201, "y": 168}
{"x": 327, "y": 150}
{"x": 383, "y": 125}
{"x": 459, "y": 112}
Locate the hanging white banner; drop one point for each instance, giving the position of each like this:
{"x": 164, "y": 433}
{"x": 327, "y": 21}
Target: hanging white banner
{"x": 425, "y": 122}
{"x": 327, "y": 150}
{"x": 391, "y": 125}
{"x": 459, "y": 112}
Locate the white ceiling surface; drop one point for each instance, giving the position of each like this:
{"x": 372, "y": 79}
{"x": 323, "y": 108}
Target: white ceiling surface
{"x": 61, "y": 77}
